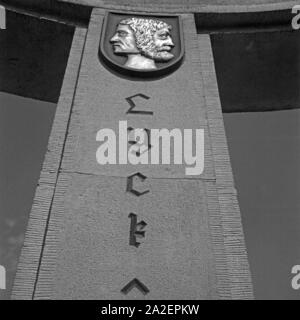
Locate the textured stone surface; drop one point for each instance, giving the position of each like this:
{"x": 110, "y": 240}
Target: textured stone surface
{"x": 100, "y": 103}
{"x": 87, "y": 245}
{"x": 190, "y": 5}
{"x": 174, "y": 260}
{"x": 193, "y": 248}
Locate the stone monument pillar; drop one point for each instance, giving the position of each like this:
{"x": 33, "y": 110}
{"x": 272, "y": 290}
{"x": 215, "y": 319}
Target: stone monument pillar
{"x": 125, "y": 231}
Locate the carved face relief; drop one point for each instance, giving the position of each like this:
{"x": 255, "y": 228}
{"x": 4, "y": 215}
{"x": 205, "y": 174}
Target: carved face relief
{"x": 163, "y": 45}
{"x": 145, "y": 41}
{"x": 124, "y": 40}
{"x": 138, "y": 45}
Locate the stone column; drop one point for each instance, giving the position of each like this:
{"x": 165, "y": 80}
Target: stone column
{"x": 175, "y": 236}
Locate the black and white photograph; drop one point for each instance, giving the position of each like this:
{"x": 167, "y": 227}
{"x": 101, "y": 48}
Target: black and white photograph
{"x": 149, "y": 153}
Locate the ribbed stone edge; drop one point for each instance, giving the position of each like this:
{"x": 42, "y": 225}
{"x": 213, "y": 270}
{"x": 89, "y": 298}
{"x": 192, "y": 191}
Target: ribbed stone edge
{"x": 29, "y": 261}
{"x": 45, "y": 283}
{"x": 75, "y": 124}
{"x": 240, "y": 281}
{"x": 176, "y": 8}
{"x": 45, "y": 289}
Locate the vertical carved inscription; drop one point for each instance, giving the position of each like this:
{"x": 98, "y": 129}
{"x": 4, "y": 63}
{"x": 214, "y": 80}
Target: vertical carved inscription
{"x": 136, "y": 228}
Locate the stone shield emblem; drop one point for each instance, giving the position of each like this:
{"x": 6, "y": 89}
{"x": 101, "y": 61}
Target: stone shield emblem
{"x": 142, "y": 45}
